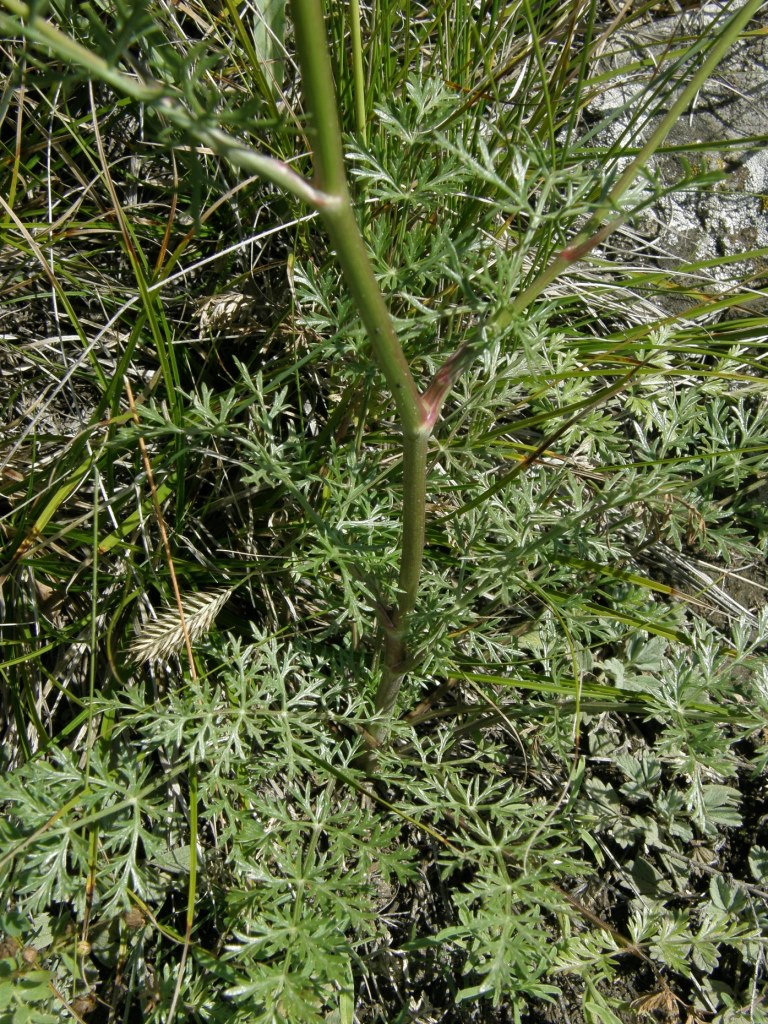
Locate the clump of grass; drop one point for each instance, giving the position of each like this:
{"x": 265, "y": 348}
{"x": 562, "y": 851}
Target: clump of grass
{"x": 458, "y": 719}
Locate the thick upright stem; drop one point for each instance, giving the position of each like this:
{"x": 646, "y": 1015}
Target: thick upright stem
{"x": 339, "y": 218}
{"x": 414, "y": 500}
{"x": 341, "y": 225}
{"x": 395, "y": 662}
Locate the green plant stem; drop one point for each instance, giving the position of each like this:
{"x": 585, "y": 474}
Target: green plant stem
{"x": 417, "y": 413}
{"x": 341, "y": 225}
{"x": 396, "y": 660}
{"x": 358, "y": 77}
{"x": 339, "y": 218}
{"x": 340, "y": 222}
{"x": 602, "y": 223}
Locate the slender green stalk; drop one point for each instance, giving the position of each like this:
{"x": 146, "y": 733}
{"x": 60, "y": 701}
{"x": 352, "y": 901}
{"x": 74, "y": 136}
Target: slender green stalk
{"x": 341, "y": 225}
{"x": 338, "y": 216}
{"x": 358, "y": 77}
{"x": 319, "y": 96}
{"x": 320, "y": 99}
{"x": 396, "y": 661}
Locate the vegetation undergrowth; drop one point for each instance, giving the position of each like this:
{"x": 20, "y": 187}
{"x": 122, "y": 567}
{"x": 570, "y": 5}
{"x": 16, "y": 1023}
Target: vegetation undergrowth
{"x": 261, "y": 763}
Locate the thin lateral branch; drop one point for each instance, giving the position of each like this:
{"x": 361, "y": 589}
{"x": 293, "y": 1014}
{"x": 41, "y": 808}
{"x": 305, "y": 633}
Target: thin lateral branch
{"x": 247, "y": 159}
{"x": 157, "y": 96}
{"x": 604, "y": 221}
{"x": 358, "y": 73}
